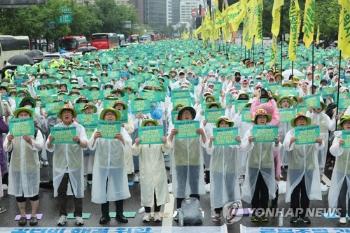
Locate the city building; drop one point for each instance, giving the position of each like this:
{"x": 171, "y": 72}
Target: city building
{"x": 175, "y": 12}
{"x": 186, "y": 8}
{"x": 155, "y": 14}
{"x": 140, "y": 9}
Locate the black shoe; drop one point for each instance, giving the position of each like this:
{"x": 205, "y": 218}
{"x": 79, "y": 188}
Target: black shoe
{"x": 121, "y": 219}
{"x": 22, "y": 221}
{"x": 293, "y": 220}
{"x": 33, "y": 221}
{"x": 306, "y": 220}
{"x": 104, "y": 220}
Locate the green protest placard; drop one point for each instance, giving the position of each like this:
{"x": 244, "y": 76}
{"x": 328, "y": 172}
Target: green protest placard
{"x": 225, "y": 136}
{"x": 312, "y": 101}
{"x": 212, "y": 115}
{"x": 63, "y": 135}
{"x": 22, "y": 127}
{"x": 89, "y": 129}
{"x": 153, "y": 95}
{"x": 53, "y": 108}
{"x": 302, "y": 109}
{"x": 143, "y": 106}
{"x": 87, "y": 119}
{"x": 306, "y": 134}
{"x": 345, "y": 135}
{"x": 328, "y": 91}
{"x": 287, "y": 114}
{"x": 287, "y": 91}
{"x": 185, "y": 101}
{"x": 151, "y": 134}
{"x": 344, "y": 100}
{"x": 46, "y": 92}
{"x": 246, "y": 115}
{"x": 240, "y": 104}
{"x": 108, "y": 129}
{"x": 187, "y": 129}
{"x": 265, "y": 133}
{"x": 180, "y": 93}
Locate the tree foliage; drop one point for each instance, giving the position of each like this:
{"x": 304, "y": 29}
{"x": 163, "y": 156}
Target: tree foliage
{"x": 42, "y": 21}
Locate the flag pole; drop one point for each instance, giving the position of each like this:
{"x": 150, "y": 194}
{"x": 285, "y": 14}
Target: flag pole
{"x": 281, "y": 31}
{"x": 338, "y": 88}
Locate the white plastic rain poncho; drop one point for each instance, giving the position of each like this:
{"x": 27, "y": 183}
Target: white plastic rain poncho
{"x": 68, "y": 158}
{"x": 187, "y": 166}
{"x": 282, "y": 131}
{"x": 24, "y": 170}
{"x": 326, "y": 124}
{"x": 224, "y": 175}
{"x": 341, "y": 171}
{"x": 302, "y": 162}
{"x": 260, "y": 159}
{"x": 153, "y": 177}
{"x": 109, "y": 180}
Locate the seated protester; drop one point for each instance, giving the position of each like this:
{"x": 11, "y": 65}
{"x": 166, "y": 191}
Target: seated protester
{"x": 109, "y": 182}
{"x": 303, "y": 177}
{"x": 68, "y": 167}
{"x": 225, "y": 172}
{"x": 153, "y": 176}
{"x": 338, "y": 194}
{"x": 187, "y": 172}
{"x": 24, "y": 170}
{"x": 259, "y": 185}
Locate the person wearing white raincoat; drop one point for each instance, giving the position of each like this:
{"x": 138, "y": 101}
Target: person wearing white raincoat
{"x": 187, "y": 161}
{"x": 303, "y": 177}
{"x": 68, "y": 169}
{"x": 338, "y": 194}
{"x": 225, "y": 171}
{"x": 109, "y": 180}
{"x": 259, "y": 185}
{"x": 24, "y": 170}
{"x": 319, "y": 117}
{"x": 153, "y": 176}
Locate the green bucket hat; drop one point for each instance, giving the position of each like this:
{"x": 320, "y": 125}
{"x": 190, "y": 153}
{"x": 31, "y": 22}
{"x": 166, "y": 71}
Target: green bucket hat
{"x": 115, "y": 112}
{"x": 343, "y": 119}
{"x": 145, "y": 122}
{"x": 299, "y": 115}
{"x": 22, "y": 109}
{"x": 224, "y": 118}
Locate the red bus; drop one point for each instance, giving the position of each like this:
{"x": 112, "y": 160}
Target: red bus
{"x": 72, "y": 43}
{"x": 104, "y": 40}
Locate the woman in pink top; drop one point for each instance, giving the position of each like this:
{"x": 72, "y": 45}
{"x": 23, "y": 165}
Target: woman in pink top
{"x": 263, "y": 99}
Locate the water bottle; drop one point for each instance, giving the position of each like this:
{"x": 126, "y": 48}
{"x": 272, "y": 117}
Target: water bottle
{"x": 280, "y": 218}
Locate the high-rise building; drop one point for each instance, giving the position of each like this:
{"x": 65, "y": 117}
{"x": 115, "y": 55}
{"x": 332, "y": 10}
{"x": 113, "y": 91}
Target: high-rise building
{"x": 186, "y": 8}
{"x": 175, "y": 11}
{"x": 140, "y": 9}
{"x": 156, "y": 14}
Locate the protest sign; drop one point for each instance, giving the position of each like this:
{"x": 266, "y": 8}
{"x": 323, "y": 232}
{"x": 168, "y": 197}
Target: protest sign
{"x": 346, "y": 138}
{"x": 22, "y": 127}
{"x": 63, "y": 135}
{"x": 186, "y": 129}
{"x": 265, "y": 133}
{"x": 306, "y": 134}
{"x": 108, "y": 129}
{"x": 312, "y": 101}
{"x": 143, "y": 106}
{"x": 212, "y": 115}
{"x": 151, "y": 134}
{"x": 287, "y": 114}
{"x": 225, "y": 136}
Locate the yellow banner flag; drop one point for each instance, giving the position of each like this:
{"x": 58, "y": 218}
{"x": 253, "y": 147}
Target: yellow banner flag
{"x": 309, "y": 22}
{"x": 235, "y": 21}
{"x": 276, "y": 17}
{"x": 258, "y": 29}
{"x": 294, "y": 18}
{"x": 344, "y": 29}
{"x": 249, "y": 24}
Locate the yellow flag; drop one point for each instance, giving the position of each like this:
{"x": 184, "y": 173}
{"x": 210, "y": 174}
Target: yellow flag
{"x": 276, "y": 17}
{"x": 344, "y": 29}
{"x": 309, "y": 22}
{"x": 294, "y": 18}
{"x": 249, "y": 24}
{"x": 237, "y": 20}
{"x": 258, "y": 15}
